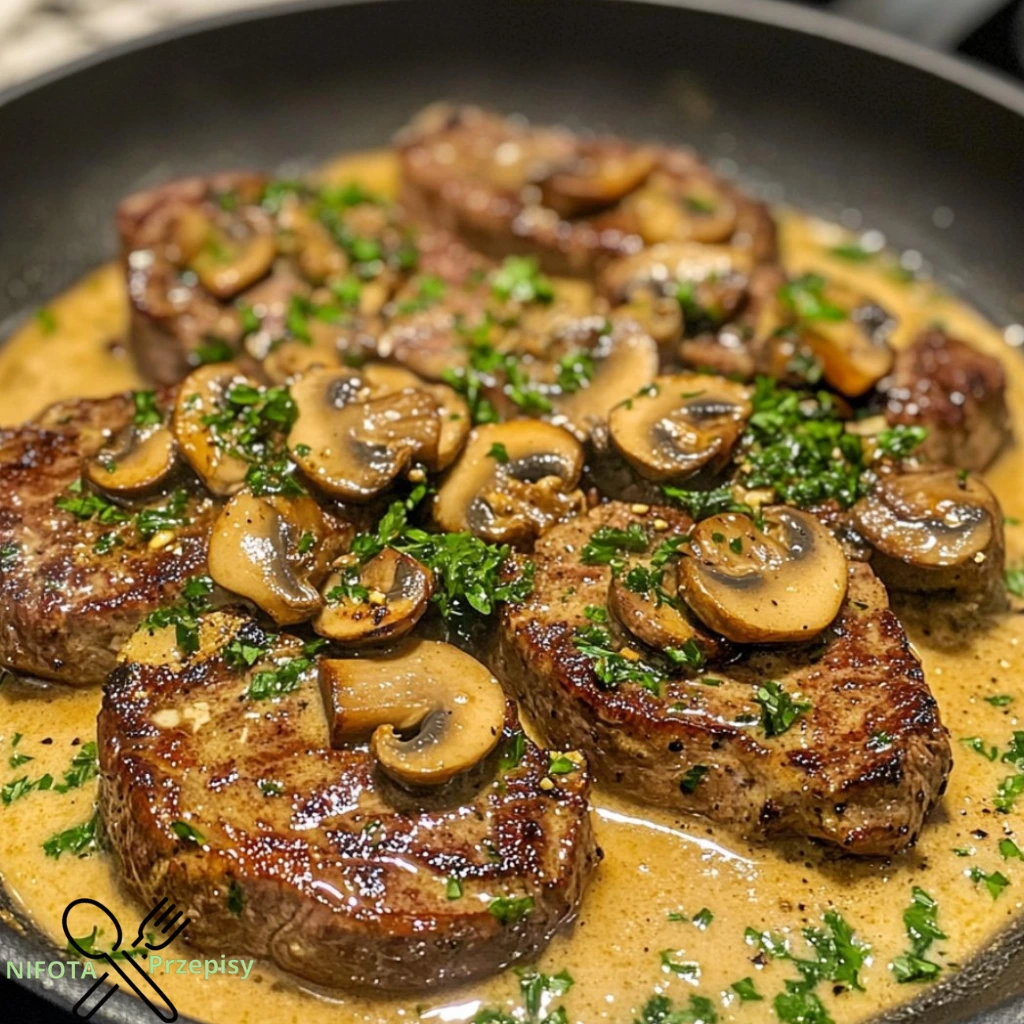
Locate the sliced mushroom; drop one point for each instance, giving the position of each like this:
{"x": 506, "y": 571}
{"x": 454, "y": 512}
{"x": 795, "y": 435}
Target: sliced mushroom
{"x": 429, "y": 710}
{"x": 512, "y": 482}
{"x": 661, "y": 269}
{"x": 202, "y": 395}
{"x": 225, "y": 263}
{"x": 381, "y": 600}
{"x": 933, "y": 529}
{"x": 669, "y": 208}
{"x": 451, "y": 407}
{"x": 353, "y": 445}
{"x": 136, "y": 461}
{"x": 780, "y": 581}
{"x": 625, "y": 360}
{"x": 599, "y": 175}
{"x": 680, "y": 424}
{"x": 272, "y": 551}
{"x": 847, "y": 333}
{"x": 660, "y": 619}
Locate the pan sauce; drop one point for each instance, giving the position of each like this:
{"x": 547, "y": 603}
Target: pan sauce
{"x": 654, "y": 865}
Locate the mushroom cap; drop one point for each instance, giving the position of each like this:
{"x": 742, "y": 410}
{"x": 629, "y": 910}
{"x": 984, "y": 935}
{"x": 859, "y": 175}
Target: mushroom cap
{"x": 680, "y": 424}
{"x": 354, "y": 445}
{"x": 398, "y": 592}
{"x": 512, "y": 480}
{"x": 136, "y": 461}
{"x": 447, "y": 706}
{"x": 201, "y": 395}
{"x": 932, "y": 518}
{"x": 226, "y": 259}
{"x": 625, "y": 361}
{"x": 451, "y": 407}
{"x": 668, "y": 208}
{"x": 598, "y": 175}
{"x": 783, "y": 581}
{"x": 660, "y": 269}
{"x": 659, "y": 623}
{"x": 260, "y": 549}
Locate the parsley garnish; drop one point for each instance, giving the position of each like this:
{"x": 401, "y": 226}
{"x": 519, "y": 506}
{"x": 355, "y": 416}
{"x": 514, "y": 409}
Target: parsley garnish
{"x": 184, "y": 615}
{"x": 147, "y": 412}
{"x": 509, "y": 909}
{"x": 900, "y": 441}
{"x": 236, "y": 899}
{"x": 745, "y": 989}
{"x": 995, "y": 882}
{"x": 693, "y": 778}
{"x": 84, "y": 766}
{"x": 804, "y": 297}
{"x": 520, "y": 280}
{"x": 79, "y": 840}
{"x": 778, "y": 710}
{"x": 607, "y": 543}
{"x": 183, "y": 830}
{"x": 659, "y": 1010}
{"x": 922, "y": 929}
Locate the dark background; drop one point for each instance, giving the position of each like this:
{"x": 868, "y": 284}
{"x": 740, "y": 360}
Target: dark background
{"x": 999, "y": 43}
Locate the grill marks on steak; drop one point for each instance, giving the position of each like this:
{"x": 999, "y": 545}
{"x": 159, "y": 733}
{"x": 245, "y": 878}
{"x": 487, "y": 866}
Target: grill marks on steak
{"x": 860, "y": 770}
{"x": 307, "y": 855}
{"x": 573, "y": 202}
{"x": 65, "y": 609}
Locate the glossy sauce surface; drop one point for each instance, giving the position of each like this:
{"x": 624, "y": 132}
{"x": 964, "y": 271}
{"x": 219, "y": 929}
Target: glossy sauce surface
{"x": 658, "y": 871}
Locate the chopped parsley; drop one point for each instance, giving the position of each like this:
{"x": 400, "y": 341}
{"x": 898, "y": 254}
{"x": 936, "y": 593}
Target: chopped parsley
{"x": 746, "y": 990}
{"x": 453, "y": 888}
{"x": 1010, "y": 850}
{"x": 703, "y": 918}
{"x": 236, "y": 899}
{"x": 1014, "y": 579}
{"x": 805, "y": 298}
{"x": 560, "y": 764}
{"x": 922, "y": 930}
{"x": 537, "y": 988}
{"x": 283, "y": 678}
{"x": 519, "y": 279}
{"x": 684, "y": 968}
{"x": 608, "y": 543}
{"x": 46, "y": 320}
{"x": 693, "y": 778}
{"x": 184, "y": 615}
{"x": 977, "y": 744}
{"x": 900, "y": 441}
{"x": 188, "y": 833}
{"x": 995, "y": 881}
{"x": 703, "y": 504}
{"x": 498, "y": 452}
{"x": 779, "y": 711}
{"x": 611, "y": 666}
{"x": 79, "y": 840}
{"x": 430, "y": 290}
{"x": 84, "y": 767}
{"x": 512, "y": 753}
{"x": 999, "y": 700}
{"x": 18, "y": 788}
{"x": 661, "y": 1010}
{"x": 510, "y": 909}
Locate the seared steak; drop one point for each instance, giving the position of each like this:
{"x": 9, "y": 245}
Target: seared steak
{"x": 278, "y": 846}
{"x": 860, "y": 768}
{"x": 575, "y": 203}
{"x": 75, "y": 581}
{"x": 957, "y": 393}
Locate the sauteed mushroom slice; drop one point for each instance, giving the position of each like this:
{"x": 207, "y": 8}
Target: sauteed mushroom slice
{"x": 381, "y": 600}
{"x": 354, "y": 445}
{"x": 846, "y": 332}
{"x": 668, "y": 208}
{"x": 680, "y": 424}
{"x": 599, "y": 175}
{"x": 512, "y": 482}
{"x": 776, "y": 582}
{"x": 624, "y": 358}
{"x": 203, "y": 395}
{"x": 452, "y": 409}
{"x": 933, "y": 529}
{"x": 136, "y": 461}
{"x": 272, "y": 551}
{"x": 659, "y": 618}
{"x": 429, "y": 710}
{"x": 226, "y": 263}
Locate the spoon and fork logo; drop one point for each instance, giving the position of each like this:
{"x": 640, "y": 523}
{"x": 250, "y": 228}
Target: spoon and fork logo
{"x": 165, "y": 923}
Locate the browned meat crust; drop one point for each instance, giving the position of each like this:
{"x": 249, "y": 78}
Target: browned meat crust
{"x": 957, "y": 393}
{"x": 66, "y": 607}
{"x": 508, "y": 188}
{"x": 305, "y": 855}
{"x": 861, "y": 769}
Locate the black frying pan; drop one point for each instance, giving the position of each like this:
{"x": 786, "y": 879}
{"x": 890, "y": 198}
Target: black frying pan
{"x": 807, "y": 108}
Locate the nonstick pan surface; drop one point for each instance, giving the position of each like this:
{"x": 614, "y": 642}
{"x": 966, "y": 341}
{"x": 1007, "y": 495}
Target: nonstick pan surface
{"x": 804, "y": 108}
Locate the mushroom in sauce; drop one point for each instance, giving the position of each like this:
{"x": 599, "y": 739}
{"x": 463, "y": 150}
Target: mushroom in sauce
{"x": 512, "y": 481}
{"x": 429, "y": 710}
{"x": 353, "y": 444}
{"x": 381, "y": 600}
{"x": 777, "y": 581}
{"x": 933, "y": 529}
{"x": 274, "y": 551}
{"x": 680, "y": 424}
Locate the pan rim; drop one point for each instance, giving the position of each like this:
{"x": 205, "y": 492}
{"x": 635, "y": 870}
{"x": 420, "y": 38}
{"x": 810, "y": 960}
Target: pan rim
{"x": 959, "y": 71}
{"x": 18, "y": 943}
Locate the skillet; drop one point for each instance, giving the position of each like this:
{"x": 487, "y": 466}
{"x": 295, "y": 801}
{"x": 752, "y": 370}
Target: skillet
{"x": 807, "y": 109}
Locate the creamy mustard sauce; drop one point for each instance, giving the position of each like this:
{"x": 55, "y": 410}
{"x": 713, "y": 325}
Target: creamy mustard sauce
{"x": 654, "y": 864}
